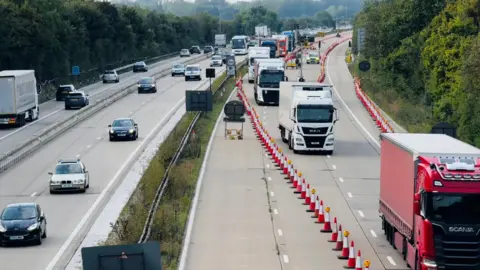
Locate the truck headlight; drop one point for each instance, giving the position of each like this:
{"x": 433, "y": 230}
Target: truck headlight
{"x": 33, "y": 226}
{"x": 429, "y": 263}
{"x": 331, "y": 139}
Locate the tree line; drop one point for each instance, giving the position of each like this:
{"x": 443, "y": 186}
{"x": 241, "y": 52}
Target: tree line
{"x": 425, "y": 57}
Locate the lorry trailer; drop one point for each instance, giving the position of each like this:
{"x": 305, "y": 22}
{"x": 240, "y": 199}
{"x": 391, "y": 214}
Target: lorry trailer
{"x": 18, "y": 97}
{"x": 268, "y": 75}
{"x": 307, "y": 116}
{"x": 429, "y": 200}
{"x": 221, "y": 40}
{"x": 255, "y": 53}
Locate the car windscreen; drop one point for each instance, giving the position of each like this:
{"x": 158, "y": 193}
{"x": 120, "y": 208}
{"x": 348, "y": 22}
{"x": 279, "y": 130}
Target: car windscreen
{"x": 122, "y": 123}
{"x": 192, "y": 69}
{"x": 68, "y": 168}
{"x": 19, "y": 213}
{"x": 75, "y": 95}
{"x": 109, "y": 72}
{"x": 216, "y": 57}
{"x": 146, "y": 81}
{"x": 178, "y": 66}
{"x": 313, "y": 55}
{"x": 64, "y": 89}
{"x": 139, "y": 64}
{"x": 184, "y": 50}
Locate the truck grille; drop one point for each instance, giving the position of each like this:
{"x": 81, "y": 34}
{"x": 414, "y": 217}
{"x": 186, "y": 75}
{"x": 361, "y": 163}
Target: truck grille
{"x": 271, "y": 96}
{"x": 314, "y": 142}
{"x": 307, "y": 130}
{"x": 456, "y": 252}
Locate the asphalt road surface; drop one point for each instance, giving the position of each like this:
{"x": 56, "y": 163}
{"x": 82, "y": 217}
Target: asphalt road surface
{"x": 105, "y": 160}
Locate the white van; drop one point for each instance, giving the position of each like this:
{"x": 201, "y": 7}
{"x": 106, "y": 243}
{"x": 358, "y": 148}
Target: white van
{"x": 193, "y": 72}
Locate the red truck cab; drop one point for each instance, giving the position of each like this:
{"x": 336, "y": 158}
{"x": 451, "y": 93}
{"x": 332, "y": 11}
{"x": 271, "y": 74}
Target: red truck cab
{"x": 430, "y": 200}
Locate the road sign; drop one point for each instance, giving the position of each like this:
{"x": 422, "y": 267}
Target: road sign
{"x": 360, "y": 39}
{"x": 75, "y": 70}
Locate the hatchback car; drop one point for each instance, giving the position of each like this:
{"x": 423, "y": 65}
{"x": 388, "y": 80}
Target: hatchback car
{"x": 195, "y": 50}
{"x": 178, "y": 69}
{"x": 313, "y": 58}
{"x": 193, "y": 72}
{"x": 77, "y": 99}
{"x": 69, "y": 175}
{"x": 123, "y": 128}
{"x": 216, "y": 61}
{"x": 110, "y": 76}
{"x": 63, "y": 91}
{"x": 207, "y": 49}
{"x": 184, "y": 53}
{"x": 21, "y": 223}
{"x": 140, "y": 66}
{"x": 147, "y": 85}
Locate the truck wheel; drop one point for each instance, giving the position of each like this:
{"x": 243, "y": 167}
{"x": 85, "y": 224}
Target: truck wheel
{"x": 329, "y": 152}
{"x": 282, "y": 134}
{"x": 290, "y": 142}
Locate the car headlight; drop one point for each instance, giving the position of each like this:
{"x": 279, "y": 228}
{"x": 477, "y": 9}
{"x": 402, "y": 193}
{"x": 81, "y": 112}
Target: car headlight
{"x": 2, "y": 229}
{"x": 33, "y": 226}
{"x": 131, "y": 131}
{"x": 79, "y": 181}
{"x": 153, "y": 85}
{"x": 111, "y": 131}
{"x": 54, "y": 182}
{"x": 138, "y": 85}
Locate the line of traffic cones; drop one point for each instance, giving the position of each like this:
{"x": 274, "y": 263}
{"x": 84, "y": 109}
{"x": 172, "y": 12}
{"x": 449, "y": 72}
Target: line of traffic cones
{"x": 308, "y": 195}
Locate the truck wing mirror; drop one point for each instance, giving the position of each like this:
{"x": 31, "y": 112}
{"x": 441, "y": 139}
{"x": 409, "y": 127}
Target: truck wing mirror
{"x": 416, "y": 204}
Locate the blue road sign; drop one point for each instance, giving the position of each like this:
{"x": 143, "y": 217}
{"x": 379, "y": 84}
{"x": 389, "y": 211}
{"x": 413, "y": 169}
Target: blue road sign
{"x": 75, "y": 70}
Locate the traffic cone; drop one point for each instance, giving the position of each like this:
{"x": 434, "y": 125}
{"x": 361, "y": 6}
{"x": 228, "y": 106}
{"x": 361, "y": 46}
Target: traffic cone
{"x": 351, "y": 257}
{"x": 278, "y": 156}
{"x": 335, "y": 229}
{"x": 327, "y": 227}
{"x": 303, "y": 195}
{"x": 285, "y": 167}
{"x": 321, "y": 215}
{"x": 339, "y": 240}
{"x": 289, "y": 171}
{"x": 358, "y": 261}
{"x": 345, "y": 249}
{"x": 295, "y": 179}
{"x": 300, "y": 186}
{"x": 317, "y": 207}
{"x": 282, "y": 162}
{"x": 366, "y": 263}
{"x": 312, "y": 202}
{"x": 292, "y": 176}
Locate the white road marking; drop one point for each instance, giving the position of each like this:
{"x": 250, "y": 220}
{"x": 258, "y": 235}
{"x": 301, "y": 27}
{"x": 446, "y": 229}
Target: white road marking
{"x": 33, "y": 194}
{"x": 390, "y": 260}
{"x": 275, "y": 211}
{"x": 99, "y": 138}
{"x": 88, "y": 146}
{"x": 361, "y": 213}
{"x": 348, "y": 108}
{"x": 280, "y": 232}
{"x": 373, "y": 233}
{"x": 269, "y": 178}
{"x": 107, "y": 190}
{"x": 350, "y": 194}
{"x": 285, "y": 259}
{"x": 340, "y": 179}
{"x": 143, "y": 103}
{"x": 334, "y": 167}
{"x": 77, "y": 156}
{"x": 268, "y": 166}
{"x": 32, "y": 123}
{"x": 272, "y": 194}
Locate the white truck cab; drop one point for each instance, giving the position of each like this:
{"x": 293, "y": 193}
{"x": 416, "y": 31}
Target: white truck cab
{"x": 307, "y": 116}
{"x": 253, "y": 54}
{"x": 268, "y": 75}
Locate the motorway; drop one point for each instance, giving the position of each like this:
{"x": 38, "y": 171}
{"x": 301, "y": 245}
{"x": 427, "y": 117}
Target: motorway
{"x": 106, "y": 161}
{"x": 54, "y": 111}
{"x": 248, "y": 217}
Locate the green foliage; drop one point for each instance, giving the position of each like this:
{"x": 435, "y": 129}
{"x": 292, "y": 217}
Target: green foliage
{"x": 426, "y": 59}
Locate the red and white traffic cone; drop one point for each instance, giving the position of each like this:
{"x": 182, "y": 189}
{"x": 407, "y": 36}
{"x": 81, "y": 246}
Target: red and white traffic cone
{"x": 289, "y": 171}
{"x": 295, "y": 179}
{"x": 321, "y": 215}
{"x": 312, "y": 202}
{"x": 339, "y": 240}
{"x": 366, "y": 263}
{"x": 335, "y": 229}
{"x": 317, "y": 207}
{"x": 282, "y": 162}
{"x": 345, "y": 248}
{"x": 308, "y": 197}
{"x": 358, "y": 261}
{"x": 303, "y": 195}
{"x": 292, "y": 175}
{"x": 351, "y": 257}
{"x": 300, "y": 186}
{"x": 285, "y": 167}
{"x": 327, "y": 227}
{"x": 275, "y": 154}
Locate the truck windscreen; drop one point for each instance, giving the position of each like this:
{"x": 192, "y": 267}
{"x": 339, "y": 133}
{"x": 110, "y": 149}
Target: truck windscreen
{"x": 453, "y": 208}
{"x": 238, "y": 43}
{"x": 315, "y": 113}
{"x": 271, "y": 77}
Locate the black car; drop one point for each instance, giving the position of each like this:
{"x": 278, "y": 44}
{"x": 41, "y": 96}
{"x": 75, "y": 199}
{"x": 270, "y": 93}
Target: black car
{"x": 140, "y": 66}
{"x": 63, "y": 91}
{"x": 123, "y": 128}
{"x": 195, "y": 50}
{"x": 207, "y": 49}
{"x": 147, "y": 85}
{"x": 77, "y": 99}
{"x": 22, "y": 222}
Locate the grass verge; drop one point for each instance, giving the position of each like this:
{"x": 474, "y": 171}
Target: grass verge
{"x": 172, "y": 213}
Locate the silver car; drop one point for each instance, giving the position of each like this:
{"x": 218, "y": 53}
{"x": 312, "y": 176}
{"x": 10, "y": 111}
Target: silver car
{"x": 69, "y": 175}
{"x": 110, "y": 76}
{"x": 178, "y": 69}
{"x": 184, "y": 53}
{"x": 216, "y": 61}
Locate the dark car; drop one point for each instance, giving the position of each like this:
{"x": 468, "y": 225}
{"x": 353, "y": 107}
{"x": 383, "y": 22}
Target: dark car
{"x": 140, "y": 66}
{"x": 124, "y": 129}
{"x": 195, "y": 50}
{"x": 22, "y": 222}
{"x": 77, "y": 99}
{"x": 207, "y": 49}
{"x": 63, "y": 91}
{"x": 147, "y": 85}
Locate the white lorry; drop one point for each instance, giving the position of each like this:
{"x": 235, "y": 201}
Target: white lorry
{"x": 307, "y": 116}
{"x": 18, "y": 97}
{"x": 261, "y": 31}
{"x": 268, "y": 75}
{"x": 255, "y": 53}
{"x": 221, "y": 40}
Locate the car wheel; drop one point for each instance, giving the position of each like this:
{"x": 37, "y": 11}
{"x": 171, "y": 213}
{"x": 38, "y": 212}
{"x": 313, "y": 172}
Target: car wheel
{"x": 155, "y": 90}
{"x": 111, "y": 139}
{"x": 67, "y": 108}
{"x": 173, "y": 75}
{"x": 84, "y": 189}
{"x": 186, "y": 79}
{"x": 104, "y": 81}
{"x": 52, "y": 191}
{"x": 39, "y": 241}
{"x": 44, "y": 235}
{"x": 139, "y": 91}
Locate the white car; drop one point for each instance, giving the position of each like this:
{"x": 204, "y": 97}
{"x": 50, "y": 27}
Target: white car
{"x": 193, "y": 72}
{"x": 184, "y": 53}
{"x": 216, "y": 61}
{"x": 178, "y": 69}
{"x": 110, "y": 76}
{"x": 69, "y": 175}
